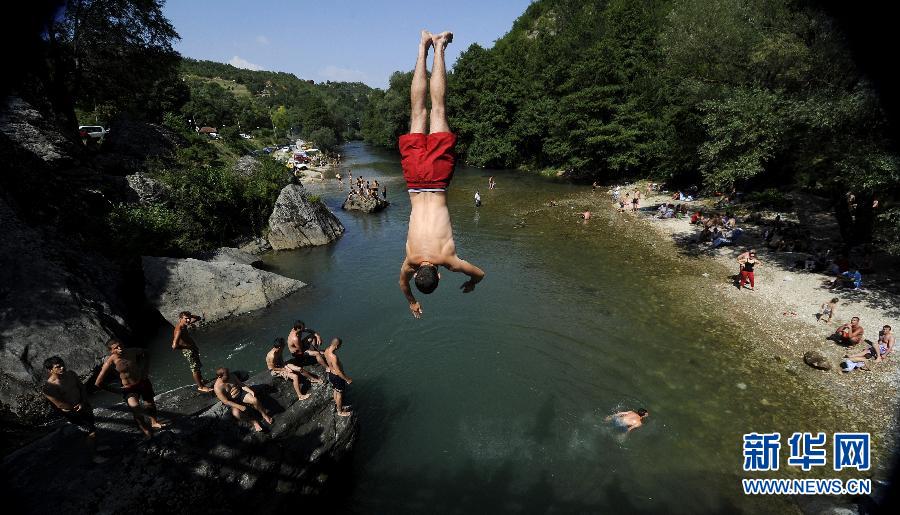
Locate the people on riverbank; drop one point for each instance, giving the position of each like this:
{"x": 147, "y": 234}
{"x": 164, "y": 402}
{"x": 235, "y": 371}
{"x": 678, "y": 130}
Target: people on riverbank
{"x": 747, "y": 270}
{"x": 67, "y": 394}
{"x": 304, "y": 343}
{"x": 428, "y": 162}
{"x": 288, "y": 371}
{"x": 238, "y": 396}
{"x": 850, "y": 334}
{"x": 828, "y": 310}
{"x": 628, "y": 421}
{"x": 182, "y": 341}
{"x": 132, "y": 366}
{"x": 877, "y": 351}
{"x": 336, "y": 376}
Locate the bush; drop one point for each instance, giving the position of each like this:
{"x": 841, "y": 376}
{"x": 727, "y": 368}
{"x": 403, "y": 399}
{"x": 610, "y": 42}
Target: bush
{"x": 147, "y": 230}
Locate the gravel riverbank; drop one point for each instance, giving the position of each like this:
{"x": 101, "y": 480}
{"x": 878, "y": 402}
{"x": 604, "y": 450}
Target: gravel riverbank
{"x": 782, "y": 310}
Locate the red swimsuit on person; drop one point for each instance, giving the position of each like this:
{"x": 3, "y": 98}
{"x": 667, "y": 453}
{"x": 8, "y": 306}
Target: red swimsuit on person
{"x": 428, "y": 160}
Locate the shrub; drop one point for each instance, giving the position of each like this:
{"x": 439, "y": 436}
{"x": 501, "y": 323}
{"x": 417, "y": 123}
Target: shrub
{"x": 771, "y": 198}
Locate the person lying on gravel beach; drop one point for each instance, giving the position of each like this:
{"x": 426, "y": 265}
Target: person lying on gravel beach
{"x": 880, "y": 350}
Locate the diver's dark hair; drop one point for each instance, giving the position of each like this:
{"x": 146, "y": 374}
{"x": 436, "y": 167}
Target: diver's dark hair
{"x": 642, "y": 412}
{"x": 279, "y": 342}
{"x": 299, "y": 325}
{"x": 52, "y": 361}
{"x": 427, "y": 278}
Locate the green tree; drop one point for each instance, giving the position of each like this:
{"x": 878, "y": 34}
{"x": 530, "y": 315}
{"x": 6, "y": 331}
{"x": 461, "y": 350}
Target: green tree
{"x": 118, "y": 52}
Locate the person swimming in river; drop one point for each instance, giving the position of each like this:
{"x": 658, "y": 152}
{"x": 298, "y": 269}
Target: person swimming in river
{"x": 428, "y": 162}
{"x": 628, "y": 420}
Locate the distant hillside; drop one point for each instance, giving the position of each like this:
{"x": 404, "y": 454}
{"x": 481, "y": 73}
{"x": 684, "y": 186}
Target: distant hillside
{"x": 328, "y": 113}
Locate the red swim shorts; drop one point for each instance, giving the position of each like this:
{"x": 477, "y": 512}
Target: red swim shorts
{"x": 428, "y": 160}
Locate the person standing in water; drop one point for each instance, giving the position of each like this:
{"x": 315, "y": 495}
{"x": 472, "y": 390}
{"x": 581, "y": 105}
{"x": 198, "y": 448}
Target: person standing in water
{"x": 428, "y": 162}
{"x": 477, "y": 199}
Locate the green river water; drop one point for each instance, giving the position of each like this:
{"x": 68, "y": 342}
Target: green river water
{"x": 494, "y": 400}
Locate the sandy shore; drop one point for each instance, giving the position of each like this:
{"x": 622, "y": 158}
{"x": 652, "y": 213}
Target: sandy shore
{"x": 783, "y": 309}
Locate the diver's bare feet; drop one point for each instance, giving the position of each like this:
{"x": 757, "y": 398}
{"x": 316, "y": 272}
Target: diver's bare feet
{"x": 427, "y": 38}
{"x": 440, "y": 41}
{"x": 304, "y": 397}
{"x": 204, "y": 389}
{"x": 345, "y": 413}
{"x": 159, "y": 425}
{"x": 257, "y": 427}
{"x": 267, "y": 418}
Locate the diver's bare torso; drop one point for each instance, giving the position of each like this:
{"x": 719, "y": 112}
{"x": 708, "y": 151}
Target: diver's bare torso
{"x": 430, "y": 236}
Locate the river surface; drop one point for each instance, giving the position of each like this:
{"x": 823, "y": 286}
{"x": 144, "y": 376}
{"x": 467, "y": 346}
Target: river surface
{"x": 494, "y": 400}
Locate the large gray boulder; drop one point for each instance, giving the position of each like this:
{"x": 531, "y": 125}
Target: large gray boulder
{"x": 218, "y": 289}
{"x": 205, "y": 463}
{"x": 144, "y": 190}
{"x": 815, "y": 359}
{"x": 246, "y": 166}
{"x": 28, "y": 130}
{"x": 299, "y": 220}
{"x": 231, "y": 255}
{"x": 364, "y": 203}
{"x": 53, "y": 301}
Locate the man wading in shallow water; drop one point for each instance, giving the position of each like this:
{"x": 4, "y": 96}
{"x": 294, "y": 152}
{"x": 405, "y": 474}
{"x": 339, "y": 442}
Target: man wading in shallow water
{"x": 428, "y": 162}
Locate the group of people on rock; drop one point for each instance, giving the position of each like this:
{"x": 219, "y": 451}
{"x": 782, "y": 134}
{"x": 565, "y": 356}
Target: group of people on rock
{"x": 363, "y": 188}
{"x": 69, "y": 396}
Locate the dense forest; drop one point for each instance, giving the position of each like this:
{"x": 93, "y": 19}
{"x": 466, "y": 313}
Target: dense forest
{"x": 328, "y": 113}
{"x": 726, "y": 95}
{"x": 112, "y": 62}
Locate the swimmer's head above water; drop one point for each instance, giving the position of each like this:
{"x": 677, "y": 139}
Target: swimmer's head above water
{"x": 427, "y": 277}
{"x": 642, "y": 412}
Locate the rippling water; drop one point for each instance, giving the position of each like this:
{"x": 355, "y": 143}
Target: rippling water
{"x": 494, "y": 400}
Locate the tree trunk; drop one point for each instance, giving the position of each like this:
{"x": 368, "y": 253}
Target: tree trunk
{"x": 856, "y": 225}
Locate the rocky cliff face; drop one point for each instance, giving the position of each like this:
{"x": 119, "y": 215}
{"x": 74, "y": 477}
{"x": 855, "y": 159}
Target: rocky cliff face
{"x": 297, "y": 221}
{"x": 219, "y": 289}
{"x": 205, "y": 462}
{"x": 56, "y": 298}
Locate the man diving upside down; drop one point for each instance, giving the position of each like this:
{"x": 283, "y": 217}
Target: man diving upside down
{"x": 428, "y": 162}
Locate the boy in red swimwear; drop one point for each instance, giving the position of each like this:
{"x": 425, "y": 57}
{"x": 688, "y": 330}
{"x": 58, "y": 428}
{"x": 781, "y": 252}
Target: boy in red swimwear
{"x": 428, "y": 162}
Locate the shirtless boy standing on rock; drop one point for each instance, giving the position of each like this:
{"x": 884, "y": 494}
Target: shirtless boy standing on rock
{"x": 67, "y": 393}
{"x": 428, "y": 162}
{"x": 336, "y": 376}
{"x": 132, "y": 366}
{"x": 182, "y": 341}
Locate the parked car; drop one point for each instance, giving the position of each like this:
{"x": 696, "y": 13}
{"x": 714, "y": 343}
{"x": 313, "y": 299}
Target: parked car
{"x": 91, "y": 131}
